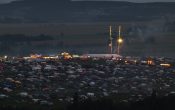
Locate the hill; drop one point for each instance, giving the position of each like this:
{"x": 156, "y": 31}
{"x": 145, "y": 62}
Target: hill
{"x": 59, "y": 11}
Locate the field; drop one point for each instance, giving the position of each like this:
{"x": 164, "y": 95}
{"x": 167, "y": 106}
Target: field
{"x": 142, "y": 38}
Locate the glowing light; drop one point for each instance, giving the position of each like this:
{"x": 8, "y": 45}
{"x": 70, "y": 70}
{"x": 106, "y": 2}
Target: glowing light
{"x": 165, "y": 64}
{"x": 50, "y": 57}
{"x": 5, "y": 56}
{"x": 149, "y": 62}
{"x": 66, "y": 55}
{"x": 120, "y": 40}
{"x": 35, "y": 56}
{"x": 75, "y": 56}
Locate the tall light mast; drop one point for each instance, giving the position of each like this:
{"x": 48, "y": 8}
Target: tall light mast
{"x": 119, "y": 41}
{"x": 110, "y": 38}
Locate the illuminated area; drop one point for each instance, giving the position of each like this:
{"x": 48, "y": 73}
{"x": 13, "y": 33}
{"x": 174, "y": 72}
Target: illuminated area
{"x": 66, "y": 55}
{"x": 87, "y": 55}
{"x": 150, "y": 62}
{"x": 34, "y": 56}
{"x": 75, "y": 56}
{"x": 64, "y": 73}
{"x": 50, "y": 57}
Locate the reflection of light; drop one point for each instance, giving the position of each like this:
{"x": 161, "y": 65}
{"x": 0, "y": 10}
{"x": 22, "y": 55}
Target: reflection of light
{"x": 165, "y": 65}
{"x": 120, "y": 40}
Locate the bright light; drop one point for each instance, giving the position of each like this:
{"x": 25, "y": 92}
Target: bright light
{"x": 64, "y": 53}
{"x": 149, "y": 62}
{"x": 75, "y": 56}
{"x": 5, "y": 56}
{"x": 120, "y": 40}
{"x": 165, "y": 65}
{"x": 68, "y": 57}
{"x": 35, "y": 56}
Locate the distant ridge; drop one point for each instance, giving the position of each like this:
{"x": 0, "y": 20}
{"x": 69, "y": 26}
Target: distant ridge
{"x": 59, "y": 11}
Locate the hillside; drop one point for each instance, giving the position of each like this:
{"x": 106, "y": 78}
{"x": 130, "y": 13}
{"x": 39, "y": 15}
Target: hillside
{"x": 82, "y": 27}
{"x": 58, "y": 11}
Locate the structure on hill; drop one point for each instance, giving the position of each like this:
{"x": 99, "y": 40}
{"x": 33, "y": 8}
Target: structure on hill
{"x": 107, "y": 56}
{"x": 119, "y": 41}
{"x": 110, "y": 38}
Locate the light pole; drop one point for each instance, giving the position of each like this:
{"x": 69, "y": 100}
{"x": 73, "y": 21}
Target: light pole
{"x": 119, "y": 41}
{"x": 110, "y": 38}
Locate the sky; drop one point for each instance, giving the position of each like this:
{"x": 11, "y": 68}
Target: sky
{"x": 132, "y": 0}
{"x": 6, "y": 1}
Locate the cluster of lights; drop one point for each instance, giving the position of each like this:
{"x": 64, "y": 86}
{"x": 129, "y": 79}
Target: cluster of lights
{"x": 66, "y": 55}
{"x": 34, "y": 56}
{"x": 51, "y": 57}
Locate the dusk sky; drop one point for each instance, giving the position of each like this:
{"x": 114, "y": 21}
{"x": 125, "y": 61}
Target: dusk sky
{"x": 6, "y": 1}
{"x": 132, "y": 0}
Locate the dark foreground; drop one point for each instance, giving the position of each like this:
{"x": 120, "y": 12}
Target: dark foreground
{"x": 88, "y": 84}
{"x": 149, "y": 103}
